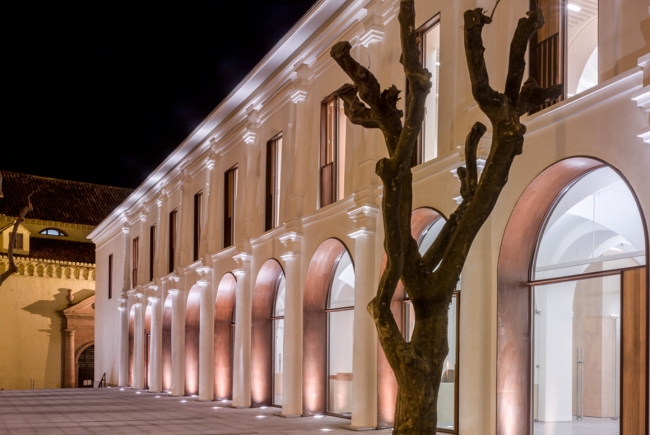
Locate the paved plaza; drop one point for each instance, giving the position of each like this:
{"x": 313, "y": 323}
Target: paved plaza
{"x": 124, "y": 411}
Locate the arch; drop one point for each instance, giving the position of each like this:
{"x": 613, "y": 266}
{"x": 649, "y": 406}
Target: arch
{"x": 147, "y": 344}
{"x": 224, "y": 310}
{"x": 192, "y": 330}
{"x": 264, "y": 295}
{"x": 317, "y": 285}
{"x": 421, "y": 221}
{"x": 514, "y": 270}
{"x": 131, "y": 345}
{"x": 167, "y": 344}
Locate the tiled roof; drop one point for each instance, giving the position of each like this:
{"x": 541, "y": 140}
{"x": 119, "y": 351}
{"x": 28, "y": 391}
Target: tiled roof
{"x": 60, "y": 250}
{"x": 59, "y": 200}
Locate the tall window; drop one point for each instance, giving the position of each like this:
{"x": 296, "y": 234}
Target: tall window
{"x": 429, "y": 41}
{"x": 579, "y": 313}
{"x": 197, "y": 226}
{"x": 278, "y": 341}
{"x": 172, "y": 241}
{"x": 273, "y": 165}
{"x": 110, "y": 276}
{"x": 565, "y": 50}
{"x": 229, "y": 198}
{"x": 152, "y": 250}
{"x": 332, "y": 150}
{"x": 134, "y": 260}
{"x": 340, "y": 309}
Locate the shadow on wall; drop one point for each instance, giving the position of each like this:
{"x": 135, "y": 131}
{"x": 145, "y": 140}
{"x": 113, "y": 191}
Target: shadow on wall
{"x": 50, "y": 309}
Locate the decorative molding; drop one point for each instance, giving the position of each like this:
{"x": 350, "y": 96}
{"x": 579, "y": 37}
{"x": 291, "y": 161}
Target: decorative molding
{"x": 39, "y": 268}
{"x": 642, "y": 98}
{"x": 364, "y": 218}
{"x": 373, "y": 24}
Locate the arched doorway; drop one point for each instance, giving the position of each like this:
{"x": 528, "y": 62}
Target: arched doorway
{"x": 131, "y": 345}
{"x": 224, "y": 332}
{"x": 572, "y": 306}
{"x": 147, "y": 345}
{"x": 426, "y": 224}
{"x": 167, "y": 345}
{"x": 328, "y": 331}
{"x": 192, "y": 330}
{"x": 267, "y": 335}
{"x": 86, "y": 367}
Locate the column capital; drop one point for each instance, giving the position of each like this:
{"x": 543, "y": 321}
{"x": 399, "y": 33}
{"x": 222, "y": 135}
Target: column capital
{"x": 292, "y": 242}
{"x": 154, "y": 299}
{"x": 364, "y": 219}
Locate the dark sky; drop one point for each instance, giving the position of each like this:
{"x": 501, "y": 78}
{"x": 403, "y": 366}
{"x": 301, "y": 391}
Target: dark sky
{"x": 102, "y": 92}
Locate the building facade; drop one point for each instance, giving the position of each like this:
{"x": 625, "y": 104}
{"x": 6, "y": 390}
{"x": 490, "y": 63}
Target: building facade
{"x": 47, "y": 314}
{"x": 240, "y": 270}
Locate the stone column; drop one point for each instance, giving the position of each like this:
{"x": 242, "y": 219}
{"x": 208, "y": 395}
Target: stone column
{"x": 138, "y": 344}
{"x": 126, "y": 281}
{"x": 178, "y": 342}
{"x": 364, "y": 369}
{"x": 185, "y": 239}
{"x": 162, "y": 230}
{"x": 69, "y": 378}
{"x": 155, "y": 363}
{"x": 292, "y": 364}
{"x": 123, "y": 375}
{"x": 241, "y": 388}
{"x": 213, "y": 242}
{"x": 206, "y": 336}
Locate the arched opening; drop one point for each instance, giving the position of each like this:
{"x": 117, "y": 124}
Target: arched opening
{"x": 224, "y": 332}
{"x": 327, "y": 342}
{"x": 192, "y": 330}
{"x": 131, "y": 345}
{"x": 86, "y": 367}
{"x": 147, "y": 345}
{"x": 264, "y": 340}
{"x": 572, "y": 306}
{"x": 426, "y": 224}
{"x": 167, "y": 345}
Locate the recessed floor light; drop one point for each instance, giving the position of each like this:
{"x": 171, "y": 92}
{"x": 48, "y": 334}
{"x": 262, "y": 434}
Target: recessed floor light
{"x": 183, "y": 401}
{"x": 264, "y": 407}
{"x": 157, "y": 397}
{"x": 138, "y": 392}
{"x": 121, "y": 389}
{"x": 224, "y": 400}
{"x": 216, "y": 407}
{"x": 326, "y": 430}
{"x": 260, "y": 416}
{"x": 319, "y": 416}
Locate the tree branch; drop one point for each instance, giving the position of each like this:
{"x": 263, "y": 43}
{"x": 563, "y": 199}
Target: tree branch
{"x": 21, "y": 218}
{"x": 532, "y": 96}
{"x": 355, "y": 110}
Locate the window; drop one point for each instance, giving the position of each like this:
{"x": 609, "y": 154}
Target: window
{"x": 172, "y": 240}
{"x": 278, "y": 341}
{"x": 53, "y": 232}
{"x": 429, "y": 41}
{"x": 592, "y": 238}
{"x": 197, "y": 226}
{"x": 340, "y": 319}
{"x": 332, "y": 150}
{"x": 110, "y": 276}
{"x": 565, "y": 50}
{"x": 229, "y": 198}
{"x": 447, "y": 394}
{"x": 135, "y": 253}
{"x": 273, "y": 165}
{"x": 19, "y": 241}
{"x": 152, "y": 250}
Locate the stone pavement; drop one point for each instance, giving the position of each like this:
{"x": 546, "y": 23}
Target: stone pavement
{"x": 126, "y": 411}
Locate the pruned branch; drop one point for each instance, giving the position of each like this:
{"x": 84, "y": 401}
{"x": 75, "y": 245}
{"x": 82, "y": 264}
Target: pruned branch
{"x": 355, "y": 110}
{"x": 21, "y": 218}
{"x": 532, "y": 96}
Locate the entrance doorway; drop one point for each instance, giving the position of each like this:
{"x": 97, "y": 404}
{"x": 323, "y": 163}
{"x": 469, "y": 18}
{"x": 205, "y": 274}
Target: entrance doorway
{"x": 86, "y": 370}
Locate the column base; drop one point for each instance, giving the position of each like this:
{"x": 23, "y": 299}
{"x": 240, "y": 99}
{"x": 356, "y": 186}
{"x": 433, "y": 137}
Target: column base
{"x": 279, "y": 414}
{"x": 358, "y": 428}
{"x": 239, "y": 406}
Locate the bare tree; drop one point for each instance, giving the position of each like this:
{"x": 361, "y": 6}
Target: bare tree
{"x": 430, "y": 279}
{"x": 12, "y": 241}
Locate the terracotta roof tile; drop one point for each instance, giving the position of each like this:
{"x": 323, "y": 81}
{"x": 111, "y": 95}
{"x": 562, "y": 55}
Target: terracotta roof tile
{"x": 60, "y": 250}
{"x": 59, "y": 200}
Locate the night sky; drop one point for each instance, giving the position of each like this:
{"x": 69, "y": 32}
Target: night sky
{"x": 102, "y": 92}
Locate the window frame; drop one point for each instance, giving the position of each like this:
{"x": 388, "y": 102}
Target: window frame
{"x": 272, "y": 182}
{"x": 171, "y": 252}
{"x": 152, "y": 251}
{"x": 45, "y": 231}
{"x": 196, "y": 230}
{"x": 135, "y": 253}
{"x": 229, "y": 204}
{"x": 337, "y": 168}
{"x": 110, "y": 276}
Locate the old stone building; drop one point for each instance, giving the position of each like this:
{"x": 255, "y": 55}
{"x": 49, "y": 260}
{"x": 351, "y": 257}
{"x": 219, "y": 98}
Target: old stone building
{"x": 47, "y": 314}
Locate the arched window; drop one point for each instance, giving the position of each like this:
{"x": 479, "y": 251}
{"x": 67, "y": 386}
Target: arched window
{"x": 447, "y": 393}
{"x": 340, "y": 309}
{"x": 591, "y": 238}
{"x": 278, "y": 341}
{"x": 52, "y": 232}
